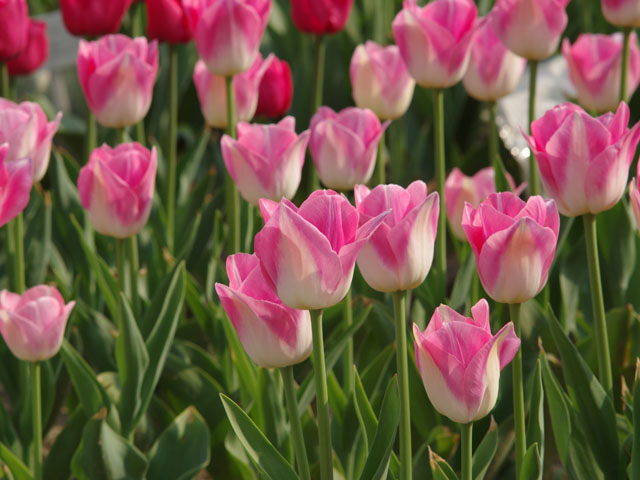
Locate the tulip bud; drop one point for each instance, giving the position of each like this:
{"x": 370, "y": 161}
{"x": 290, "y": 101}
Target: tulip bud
{"x": 622, "y": 13}
{"x": 15, "y": 185}
{"x": 92, "y": 18}
{"x": 35, "y": 52}
{"x": 14, "y": 28}
{"x": 320, "y": 16}
{"x": 276, "y": 90}
{"x": 167, "y": 21}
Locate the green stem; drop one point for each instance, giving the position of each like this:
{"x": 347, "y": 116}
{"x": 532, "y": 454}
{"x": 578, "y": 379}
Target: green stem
{"x": 381, "y": 175}
{"x": 322, "y": 397}
{"x": 518, "y": 392}
{"x": 173, "y": 145}
{"x": 36, "y": 403}
{"x": 466, "y": 430}
{"x": 16, "y": 249}
{"x": 5, "y": 85}
{"x": 597, "y": 302}
{"x": 233, "y": 199}
{"x": 494, "y": 152}
{"x": 120, "y": 264}
{"x": 121, "y": 135}
{"x": 441, "y": 239}
{"x": 133, "y": 275}
{"x": 534, "y": 181}
{"x": 319, "y": 55}
{"x": 297, "y": 438}
{"x": 399, "y": 311}
{"x": 347, "y": 358}
{"x": 625, "y": 63}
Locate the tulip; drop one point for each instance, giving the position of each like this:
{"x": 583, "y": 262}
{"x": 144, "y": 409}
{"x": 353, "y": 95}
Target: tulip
{"x": 212, "y": 92}
{"x": 622, "y": 13}
{"x": 320, "y": 16}
{"x": 460, "y": 361}
{"x": 227, "y": 33}
{"x": 344, "y": 145}
{"x": 117, "y": 74}
{"x": 634, "y": 196}
{"x": 380, "y": 80}
{"x": 33, "y": 323}
{"x": 25, "y": 128}
{"x": 116, "y": 188}
{"x": 434, "y": 40}
{"x": 92, "y": 18}
{"x": 595, "y": 64}
{"x": 493, "y": 71}
{"x": 276, "y": 90}
{"x": 266, "y": 160}
{"x": 309, "y": 253}
{"x": 168, "y": 21}
{"x": 584, "y": 161}
{"x": 35, "y": 52}
{"x": 399, "y": 254}
{"x": 14, "y": 28}
{"x": 513, "y": 242}
{"x": 530, "y": 28}
{"x": 15, "y": 186}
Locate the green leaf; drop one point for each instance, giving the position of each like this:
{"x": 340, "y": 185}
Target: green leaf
{"x": 57, "y": 465}
{"x": 535, "y": 427}
{"x": 530, "y": 469}
{"x": 485, "y": 452}
{"x": 635, "y": 449}
{"x": 245, "y": 367}
{"x": 462, "y": 283}
{"x": 259, "y": 448}
{"x": 18, "y": 469}
{"x": 366, "y": 417}
{"x": 440, "y": 469}
{"x": 182, "y": 450}
{"x": 558, "y": 405}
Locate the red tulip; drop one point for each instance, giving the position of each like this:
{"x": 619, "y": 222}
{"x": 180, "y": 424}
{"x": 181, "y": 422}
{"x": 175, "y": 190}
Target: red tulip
{"x": 167, "y": 21}
{"x": 93, "y": 17}
{"x": 35, "y": 53}
{"x": 320, "y": 16}
{"x": 14, "y": 26}
{"x": 276, "y": 90}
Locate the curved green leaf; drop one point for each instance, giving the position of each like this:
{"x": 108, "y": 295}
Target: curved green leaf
{"x": 485, "y": 452}
{"x": 558, "y": 409}
{"x": 18, "y": 469}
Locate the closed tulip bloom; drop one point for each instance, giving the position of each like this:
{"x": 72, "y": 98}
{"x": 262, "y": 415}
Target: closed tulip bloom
{"x": 266, "y": 160}
{"x": 309, "y": 253}
{"x": 228, "y": 32}
{"x": 117, "y": 74}
{"x": 320, "y": 16}
{"x": 380, "y": 80}
{"x": 434, "y": 40}
{"x": 212, "y": 92}
{"x": 32, "y": 324}
{"x": 116, "y": 188}
{"x": 35, "y": 52}
{"x": 276, "y": 90}
{"x": 595, "y": 66}
{"x": 273, "y": 334}
{"x": 92, "y": 18}
{"x": 493, "y": 70}
{"x": 399, "y": 254}
{"x": 583, "y": 161}
{"x": 530, "y": 28}
{"x": 634, "y": 196}
{"x": 167, "y": 21}
{"x": 344, "y": 145}
{"x": 25, "y": 127}
{"x": 513, "y": 242}
{"x": 15, "y": 185}
{"x": 460, "y": 361}
{"x": 622, "y": 13}
{"x": 14, "y": 28}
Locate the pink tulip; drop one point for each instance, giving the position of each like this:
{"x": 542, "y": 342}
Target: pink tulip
{"x": 266, "y": 160}
{"x": 273, "y": 334}
{"x": 583, "y": 161}
{"x": 434, "y": 40}
{"x": 276, "y": 90}
{"x": 35, "y": 52}
{"x": 116, "y": 188}
{"x": 493, "y": 71}
{"x": 228, "y": 32}
{"x": 513, "y": 242}
{"x": 14, "y": 28}
{"x": 622, "y": 13}
{"x": 308, "y": 254}
{"x": 92, "y": 18}
{"x": 380, "y": 81}
{"x": 320, "y": 16}
{"x": 25, "y": 128}
{"x": 168, "y": 21}
{"x": 32, "y": 324}
{"x": 595, "y": 66}
{"x": 398, "y": 255}
{"x": 530, "y": 28}
{"x": 117, "y": 74}
{"x": 15, "y": 186}
{"x": 212, "y": 92}
{"x": 460, "y": 361}
{"x": 634, "y": 196}
{"x": 344, "y": 145}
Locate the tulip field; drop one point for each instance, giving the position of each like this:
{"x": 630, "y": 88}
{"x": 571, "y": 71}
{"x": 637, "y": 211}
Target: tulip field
{"x": 319, "y": 239}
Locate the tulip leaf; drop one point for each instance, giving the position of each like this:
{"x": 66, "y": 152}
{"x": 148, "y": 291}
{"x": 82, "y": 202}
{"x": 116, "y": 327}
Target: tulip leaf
{"x": 182, "y": 450}
{"x": 259, "y": 448}
{"x": 635, "y": 449}
{"x": 558, "y": 405}
{"x": 535, "y": 427}
{"x": 582, "y": 462}
{"x": 462, "y": 283}
{"x": 440, "y": 469}
{"x": 485, "y": 452}
{"x": 530, "y": 468}
{"x": 57, "y": 465}
{"x": 18, "y": 469}
{"x": 366, "y": 417}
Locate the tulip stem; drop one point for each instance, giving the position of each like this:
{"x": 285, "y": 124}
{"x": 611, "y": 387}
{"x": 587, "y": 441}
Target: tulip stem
{"x": 120, "y": 264}
{"x": 381, "y": 177}
{"x": 36, "y": 404}
{"x": 319, "y": 55}
{"x": 4, "y": 81}
{"x": 347, "y": 359}
{"x": 133, "y": 274}
{"x": 625, "y": 63}
{"x": 399, "y": 310}
{"x": 534, "y": 181}
{"x": 597, "y": 302}
{"x": 518, "y": 392}
{"x": 494, "y": 152}
{"x": 441, "y": 238}
{"x": 297, "y": 438}
{"x": 121, "y": 135}
{"x": 466, "y": 431}
{"x": 16, "y": 253}
{"x": 233, "y": 209}
{"x": 322, "y": 397}
{"x": 173, "y": 145}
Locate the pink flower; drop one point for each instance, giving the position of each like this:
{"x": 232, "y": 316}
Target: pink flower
{"x": 595, "y": 66}
{"x": 398, "y": 255}
{"x": 116, "y": 188}
{"x": 460, "y": 361}
{"x": 273, "y": 334}
{"x": 212, "y": 92}
{"x": 167, "y": 21}
{"x": 14, "y": 28}
{"x": 308, "y": 254}
{"x": 344, "y": 145}
{"x": 117, "y": 74}
{"x": 15, "y": 185}
{"x": 25, "y": 128}
{"x": 622, "y": 13}
{"x": 530, "y": 28}
{"x": 33, "y": 323}
{"x": 634, "y": 197}
{"x": 266, "y": 160}
{"x": 493, "y": 71}
{"x": 434, "y": 40}
{"x": 92, "y": 18}
{"x": 320, "y": 16}
{"x": 513, "y": 242}
{"x": 583, "y": 161}
{"x": 35, "y": 52}
{"x": 276, "y": 90}
{"x": 380, "y": 81}
{"x": 228, "y": 32}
